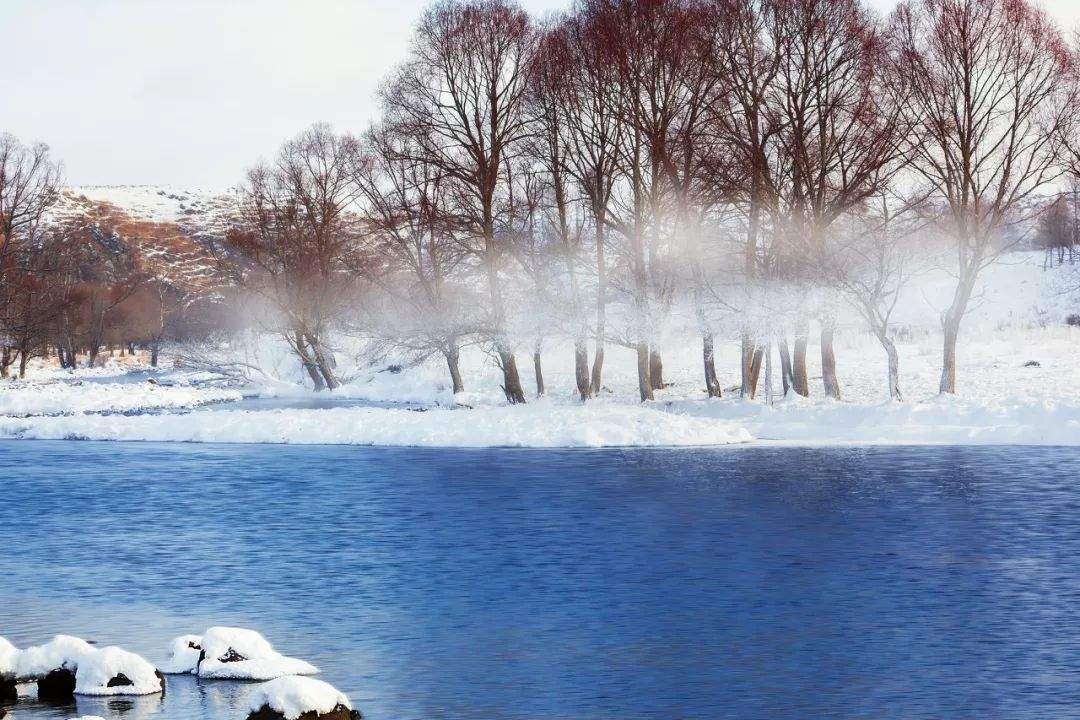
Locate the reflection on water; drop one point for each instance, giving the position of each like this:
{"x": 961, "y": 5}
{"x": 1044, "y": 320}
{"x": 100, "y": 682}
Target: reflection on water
{"x": 498, "y": 584}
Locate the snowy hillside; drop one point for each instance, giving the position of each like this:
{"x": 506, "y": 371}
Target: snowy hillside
{"x": 171, "y": 230}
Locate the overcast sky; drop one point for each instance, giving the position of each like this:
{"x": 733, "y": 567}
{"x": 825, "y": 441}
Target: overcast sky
{"x": 192, "y": 92}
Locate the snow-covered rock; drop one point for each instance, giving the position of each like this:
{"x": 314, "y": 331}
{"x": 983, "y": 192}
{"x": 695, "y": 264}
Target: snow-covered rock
{"x": 63, "y": 652}
{"x": 241, "y": 654}
{"x": 114, "y": 671}
{"x": 67, "y": 666}
{"x": 8, "y": 653}
{"x": 299, "y": 698}
{"x": 184, "y": 653}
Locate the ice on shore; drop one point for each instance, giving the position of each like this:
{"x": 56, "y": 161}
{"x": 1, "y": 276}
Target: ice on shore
{"x": 294, "y": 696}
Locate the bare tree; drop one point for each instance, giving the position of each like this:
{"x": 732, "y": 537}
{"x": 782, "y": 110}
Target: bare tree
{"x": 462, "y": 93}
{"x": 873, "y": 259}
{"x": 842, "y": 130}
{"x": 415, "y": 248}
{"x": 295, "y": 238}
{"x": 993, "y": 92}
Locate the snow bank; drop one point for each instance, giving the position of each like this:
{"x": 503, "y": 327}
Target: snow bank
{"x": 63, "y": 651}
{"x": 940, "y": 420}
{"x": 8, "y": 653}
{"x": 128, "y": 673}
{"x": 233, "y": 654}
{"x": 184, "y": 653}
{"x": 294, "y": 696}
{"x": 539, "y": 424}
{"x": 73, "y": 397}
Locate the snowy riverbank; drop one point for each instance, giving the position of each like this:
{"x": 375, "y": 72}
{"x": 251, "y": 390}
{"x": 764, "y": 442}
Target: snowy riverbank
{"x": 1018, "y": 375}
{"x": 1004, "y": 399}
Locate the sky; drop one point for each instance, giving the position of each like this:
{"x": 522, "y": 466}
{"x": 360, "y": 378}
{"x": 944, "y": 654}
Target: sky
{"x": 191, "y": 93}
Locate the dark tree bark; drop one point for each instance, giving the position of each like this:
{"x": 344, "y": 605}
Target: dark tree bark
{"x": 800, "y": 378}
{"x": 656, "y": 369}
{"x": 453, "y": 360}
{"x": 301, "y": 350}
{"x": 786, "y": 374}
{"x": 645, "y": 387}
{"x": 828, "y": 360}
{"x": 755, "y": 370}
{"x": 712, "y": 384}
{"x": 538, "y": 369}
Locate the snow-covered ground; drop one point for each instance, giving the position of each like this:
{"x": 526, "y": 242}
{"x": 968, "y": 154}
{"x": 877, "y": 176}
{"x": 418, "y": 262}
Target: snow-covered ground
{"x": 1019, "y": 382}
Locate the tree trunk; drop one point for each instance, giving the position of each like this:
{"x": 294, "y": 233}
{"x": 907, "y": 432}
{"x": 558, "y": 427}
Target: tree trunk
{"x": 453, "y": 358}
{"x": 581, "y": 368}
{"x": 828, "y": 360}
{"x": 155, "y": 345}
{"x": 768, "y": 374}
{"x": 323, "y": 362}
{"x": 786, "y": 374}
{"x": 951, "y": 327}
{"x": 5, "y": 362}
{"x": 538, "y": 369}
{"x": 645, "y": 387}
{"x": 24, "y": 355}
{"x": 894, "y": 367}
{"x": 712, "y": 384}
{"x": 300, "y": 348}
{"x": 597, "y": 369}
{"x": 511, "y": 380}
{"x": 656, "y": 369}
{"x": 596, "y": 379}
{"x": 755, "y": 370}
{"x": 799, "y": 377}
{"x": 746, "y": 360}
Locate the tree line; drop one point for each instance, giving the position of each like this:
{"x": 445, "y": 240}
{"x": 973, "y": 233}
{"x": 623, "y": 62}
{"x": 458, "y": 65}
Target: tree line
{"x": 763, "y": 163}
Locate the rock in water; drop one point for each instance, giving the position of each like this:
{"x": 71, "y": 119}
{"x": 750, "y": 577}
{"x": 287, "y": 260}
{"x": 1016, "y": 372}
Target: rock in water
{"x": 57, "y": 686}
{"x": 8, "y": 692}
{"x": 114, "y": 671}
{"x": 340, "y": 712}
{"x": 232, "y": 654}
{"x": 299, "y": 698}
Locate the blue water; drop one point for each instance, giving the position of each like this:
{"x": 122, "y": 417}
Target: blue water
{"x": 496, "y": 584}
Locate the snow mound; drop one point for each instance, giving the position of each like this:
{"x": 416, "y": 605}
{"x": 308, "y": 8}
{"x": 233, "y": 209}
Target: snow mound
{"x": 184, "y": 653}
{"x": 63, "y": 651}
{"x": 239, "y": 654}
{"x": 294, "y": 696}
{"x": 114, "y": 671}
{"x": 8, "y": 653}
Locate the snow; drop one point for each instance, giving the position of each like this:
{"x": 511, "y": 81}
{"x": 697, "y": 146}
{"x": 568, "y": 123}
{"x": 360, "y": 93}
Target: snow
{"x": 540, "y": 424}
{"x": 93, "y": 667}
{"x": 96, "y": 669}
{"x": 63, "y": 651}
{"x": 294, "y": 696}
{"x": 114, "y": 388}
{"x": 184, "y": 654}
{"x": 8, "y": 653}
{"x": 261, "y": 661}
{"x": 1017, "y": 318}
